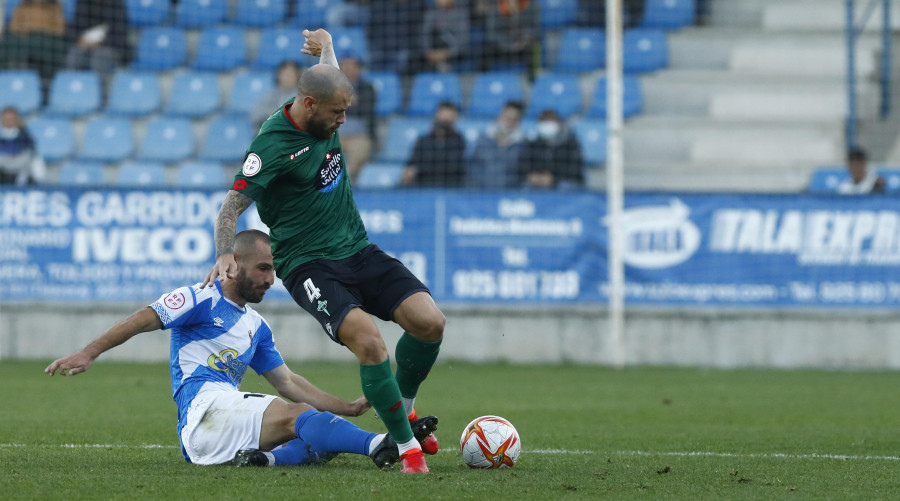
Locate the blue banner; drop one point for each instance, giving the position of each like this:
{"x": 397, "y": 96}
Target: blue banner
{"x": 71, "y": 245}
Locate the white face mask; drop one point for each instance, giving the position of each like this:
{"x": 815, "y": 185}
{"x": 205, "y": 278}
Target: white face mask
{"x": 9, "y": 132}
{"x": 548, "y": 129}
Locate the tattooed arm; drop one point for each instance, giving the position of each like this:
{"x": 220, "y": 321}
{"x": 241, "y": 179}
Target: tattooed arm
{"x": 226, "y": 225}
{"x": 319, "y": 44}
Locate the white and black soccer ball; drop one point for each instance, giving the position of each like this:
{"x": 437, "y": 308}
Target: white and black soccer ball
{"x": 490, "y": 442}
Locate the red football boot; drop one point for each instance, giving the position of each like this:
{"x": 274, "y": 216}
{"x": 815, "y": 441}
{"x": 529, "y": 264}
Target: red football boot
{"x": 423, "y": 429}
{"x": 413, "y": 462}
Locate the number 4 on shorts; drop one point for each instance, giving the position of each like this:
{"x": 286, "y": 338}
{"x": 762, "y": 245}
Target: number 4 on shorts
{"x": 312, "y": 292}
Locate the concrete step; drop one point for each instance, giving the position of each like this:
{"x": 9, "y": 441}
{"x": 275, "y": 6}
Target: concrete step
{"x": 817, "y": 15}
{"x": 710, "y": 177}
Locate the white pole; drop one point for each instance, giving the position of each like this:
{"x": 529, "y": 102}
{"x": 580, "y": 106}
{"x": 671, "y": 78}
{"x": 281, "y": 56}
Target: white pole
{"x": 615, "y": 159}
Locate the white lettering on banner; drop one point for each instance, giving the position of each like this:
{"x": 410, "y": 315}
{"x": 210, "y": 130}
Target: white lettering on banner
{"x": 515, "y": 208}
{"x": 138, "y": 245}
{"x": 517, "y": 227}
{"x": 816, "y": 237}
{"x": 20, "y": 271}
{"x": 35, "y": 208}
{"x": 382, "y": 221}
{"x": 150, "y": 208}
{"x": 658, "y": 236}
{"x": 416, "y": 263}
{"x": 488, "y": 284}
{"x": 514, "y": 256}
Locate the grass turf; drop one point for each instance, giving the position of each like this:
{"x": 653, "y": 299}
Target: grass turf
{"x": 587, "y": 433}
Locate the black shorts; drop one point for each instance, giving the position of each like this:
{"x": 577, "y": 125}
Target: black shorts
{"x": 369, "y": 279}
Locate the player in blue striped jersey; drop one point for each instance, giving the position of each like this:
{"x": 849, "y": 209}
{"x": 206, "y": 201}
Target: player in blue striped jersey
{"x": 215, "y": 337}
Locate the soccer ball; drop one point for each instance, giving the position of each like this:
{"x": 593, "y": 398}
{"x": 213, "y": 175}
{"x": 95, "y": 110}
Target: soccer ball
{"x": 490, "y": 442}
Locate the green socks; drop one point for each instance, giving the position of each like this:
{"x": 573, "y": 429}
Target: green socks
{"x": 380, "y": 388}
{"x": 414, "y": 361}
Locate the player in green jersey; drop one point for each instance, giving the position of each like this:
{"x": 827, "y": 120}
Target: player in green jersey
{"x": 295, "y": 172}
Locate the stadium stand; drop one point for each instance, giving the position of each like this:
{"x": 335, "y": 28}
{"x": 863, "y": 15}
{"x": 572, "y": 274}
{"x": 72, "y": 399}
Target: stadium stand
{"x": 312, "y": 14}
{"x": 134, "y": 93}
{"x": 558, "y": 92}
{"x": 78, "y": 173}
{"x": 247, "y": 88}
{"x": 147, "y": 12}
{"x": 669, "y": 14}
{"x": 429, "y": 89}
{"x": 74, "y": 93}
{"x": 471, "y": 128}
{"x": 108, "y": 140}
{"x": 380, "y": 175}
{"x": 167, "y": 140}
{"x": 200, "y": 13}
{"x": 632, "y": 97}
{"x": 388, "y": 92}
{"x": 558, "y": 13}
{"x": 826, "y": 180}
{"x": 227, "y": 140}
{"x": 644, "y": 50}
{"x": 403, "y": 132}
{"x": 591, "y": 135}
{"x": 490, "y": 91}
{"x": 160, "y": 48}
{"x": 259, "y": 13}
{"x": 220, "y": 49}
{"x": 53, "y": 136}
{"x": 194, "y": 94}
{"x": 141, "y": 174}
{"x": 581, "y": 50}
{"x": 278, "y": 45}
{"x": 200, "y": 174}
{"x": 20, "y": 89}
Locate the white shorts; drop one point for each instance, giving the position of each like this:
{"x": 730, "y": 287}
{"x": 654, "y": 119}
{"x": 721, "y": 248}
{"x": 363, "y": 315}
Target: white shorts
{"x": 220, "y": 423}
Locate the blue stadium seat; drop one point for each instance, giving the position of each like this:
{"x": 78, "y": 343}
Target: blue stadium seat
{"x": 891, "y": 180}
{"x": 827, "y": 179}
{"x": 259, "y": 13}
{"x": 632, "y": 97}
{"x": 147, "y": 12}
{"x": 167, "y": 140}
{"x": 350, "y": 41}
{"x": 668, "y": 14}
{"x": 74, "y": 93}
{"x": 401, "y": 138}
{"x": 200, "y": 175}
{"x": 558, "y": 13}
{"x": 380, "y": 175}
{"x": 278, "y": 45}
{"x": 471, "y": 128}
{"x": 107, "y": 139}
{"x": 558, "y": 92}
{"x": 227, "y": 139}
{"x": 429, "y": 89}
{"x": 53, "y": 136}
{"x": 644, "y": 50}
{"x": 8, "y": 8}
{"x": 490, "y": 91}
{"x": 20, "y": 89}
{"x": 312, "y": 14}
{"x": 81, "y": 174}
{"x": 388, "y": 91}
{"x": 141, "y": 174}
{"x": 581, "y": 50}
{"x": 134, "y": 93}
{"x": 591, "y": 135}
{"x": 200, "y": 13}
{"x": 248, "y": 88}
{"x": 194, "y": 94}
{"x": 160, "y": 48}
{"x": 220, "y": 49}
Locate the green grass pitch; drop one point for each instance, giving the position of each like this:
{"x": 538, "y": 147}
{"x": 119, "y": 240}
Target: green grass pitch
{"x": 587, "y": 433}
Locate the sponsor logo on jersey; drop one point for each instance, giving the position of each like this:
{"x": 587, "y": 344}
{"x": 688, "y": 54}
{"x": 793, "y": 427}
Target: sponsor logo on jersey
{"x": 174, "y": 300}
{"x": 330, "y": 171}
{"x": 227, "y": 361}
{"x": 252, "y": 165}
{"x": 297, "y": 154}
{"x": 219, "y": 322}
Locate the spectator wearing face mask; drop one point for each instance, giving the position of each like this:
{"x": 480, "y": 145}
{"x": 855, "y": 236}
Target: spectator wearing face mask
{"x": 438, "y": 158}
{"x": 553, "y": 158}
{"x": 20, "y": 163}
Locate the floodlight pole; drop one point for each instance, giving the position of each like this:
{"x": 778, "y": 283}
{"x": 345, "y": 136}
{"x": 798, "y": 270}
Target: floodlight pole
{"x": 614, "y": 179}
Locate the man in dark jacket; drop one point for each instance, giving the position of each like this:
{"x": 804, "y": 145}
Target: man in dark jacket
{"x": 438, "y": 159}
{"x": 553, "y": 158}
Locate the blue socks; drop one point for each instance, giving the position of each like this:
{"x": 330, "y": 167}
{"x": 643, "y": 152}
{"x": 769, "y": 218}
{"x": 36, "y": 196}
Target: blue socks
{"x": 324, "y": 433}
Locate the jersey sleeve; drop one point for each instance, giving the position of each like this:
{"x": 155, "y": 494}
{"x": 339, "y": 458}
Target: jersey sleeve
{"x": 176, "y": 308}
{"x": 267, "y": 356}
{"x": 261, "y": 167}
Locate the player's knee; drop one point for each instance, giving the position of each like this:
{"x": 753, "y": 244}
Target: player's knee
{"x": 294, "y": 411}
{"x": 368, "y": 347}
{"x": 432, "y": 325}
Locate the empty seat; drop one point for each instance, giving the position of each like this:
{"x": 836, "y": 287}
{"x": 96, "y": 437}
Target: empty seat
{"x": 401, "y": 138}
{"x": 227, "y": 139}
{"x": 167, "y": 140}
{"x": 490, "y": 91}
{"x": 668, "y": 14}
{"x": 558, "y": 92}
{"x": 74, "y": 93}
{"x": 20, "y": 89}
{"x": 220, "y": 49}
{"x": 350, "y": 41}
{"x": 312, "y": 14}
{"x": 558, "y": 13}
{"x": 380, "y": 175}
{"x": 644, "y": 50}
{"x": 471, "y": 128}
{"x": 81, "y": 174}
{"x": 279, "y": 45}
{"x": 53, "y": 137}
{"x": 592, "y": 135}
{"x": 107, "y": 139}
{"x": 200, "y": 13}
{"x": 160, "y": 48}
{"x": 259, "y": 13}
{"x": 388, "y": 91}
{"x": 194, "y": 94}
{"x": 200, "y": 175}
{"x": 632, "y": 97}
{"x": 248, "y": 88}
{"x": 147, "y": 12}
{"x": 141, "y": 174}
{"x": 134, "y": 93}
{"x": 581, "y": 50}
{"x": 429, "y": 89}
{"x": 827, "y": 179}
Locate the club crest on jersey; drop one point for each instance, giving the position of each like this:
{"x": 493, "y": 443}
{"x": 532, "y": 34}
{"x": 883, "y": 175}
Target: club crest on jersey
{"x": 252, "y": 165}
{"x": 330, "y": 172}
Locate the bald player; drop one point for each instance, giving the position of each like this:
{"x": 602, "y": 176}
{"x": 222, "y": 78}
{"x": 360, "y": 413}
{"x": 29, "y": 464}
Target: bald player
{"x": 295, "y": 172}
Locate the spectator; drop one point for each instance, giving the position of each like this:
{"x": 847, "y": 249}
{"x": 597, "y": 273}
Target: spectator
{"x": 862, "y": 180}
{"x": 358, "y": 132}
{"x": 20, "y": 163}
{"x": 593, "y": 13}
{"x": 513, "y": 28}
{"x": 493, "y": 163}
{"x": 443, "y": 36}
{"x": 438, "y": 158}
{"x": 286, "y": 77}
{"x": 392, "y": 31}
{"x": 35, "y": 38}
{"x": 99, "y": 34}
{"x": 553, "y": 158}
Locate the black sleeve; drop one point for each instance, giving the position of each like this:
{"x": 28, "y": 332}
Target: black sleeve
{"x": 366, "y": 107}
